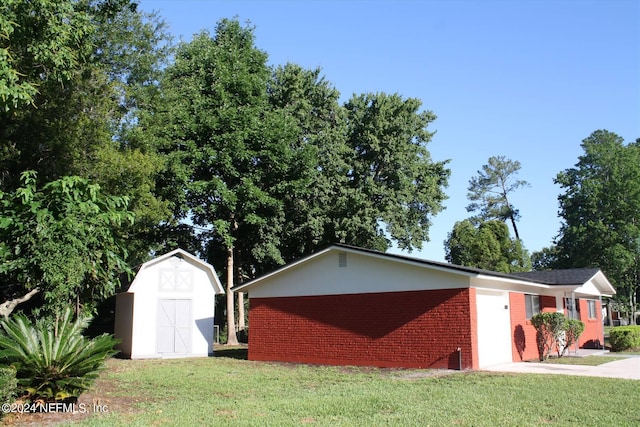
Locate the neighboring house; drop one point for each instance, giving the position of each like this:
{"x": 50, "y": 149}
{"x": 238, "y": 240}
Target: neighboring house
{"x": 351, "y": 306}
{"x": 169, "y": 309}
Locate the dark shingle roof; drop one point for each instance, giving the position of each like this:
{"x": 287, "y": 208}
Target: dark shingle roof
{"x": 573, "y": 276}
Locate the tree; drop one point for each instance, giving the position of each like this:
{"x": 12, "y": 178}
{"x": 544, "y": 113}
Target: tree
{"x": 486, "y": 245}
{"x": 489, "y": 191}
{"x": 41, "y": 40}
{"x": 600, "y": 208}
{"x": 91, "y": 65}
{"x": 319, "y": 125}
{"x": 393, "y": 185}
{"x": 61, "y": 241}
{"x": 273, "y": 167}
{"x": 545, "y": 259}
{"x": 235, "y": 155}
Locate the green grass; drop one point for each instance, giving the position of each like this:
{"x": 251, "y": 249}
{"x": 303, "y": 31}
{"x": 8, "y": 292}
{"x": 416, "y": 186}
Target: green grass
{"x": 585, "y": 361}
{"x": 225, "y": 391}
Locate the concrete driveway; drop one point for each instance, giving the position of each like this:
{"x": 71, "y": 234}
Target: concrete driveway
{"x": 628, "y": 368}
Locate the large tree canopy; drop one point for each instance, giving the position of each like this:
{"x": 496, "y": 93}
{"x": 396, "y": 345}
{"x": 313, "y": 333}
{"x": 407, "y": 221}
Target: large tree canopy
{"x": 87, "y": 67}
{"x": 600, "y": 208}
{"x": 270, "y": 167}
{"x": 236, "y": 157}
{"x": 394, "y": 185}
{"x": 40, "y": 41}
{"x": 486, "y": 245}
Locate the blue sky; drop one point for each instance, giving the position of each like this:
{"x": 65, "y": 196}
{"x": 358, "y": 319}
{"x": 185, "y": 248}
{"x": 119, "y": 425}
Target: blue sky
{"x": 528, "y": 80}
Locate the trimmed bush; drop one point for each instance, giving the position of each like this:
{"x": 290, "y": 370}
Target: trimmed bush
{"x": 53, "y": 366}
{"x": 8, "y": 386}
{"x": 624, "y": 338}
{"x": 554, "y": 330}
{"x": 550, "y": 329}
{"x": 574, "y": 328}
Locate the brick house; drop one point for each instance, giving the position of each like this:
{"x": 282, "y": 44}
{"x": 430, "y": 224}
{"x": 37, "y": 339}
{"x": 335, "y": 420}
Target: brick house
{"x": 345, "y": 305}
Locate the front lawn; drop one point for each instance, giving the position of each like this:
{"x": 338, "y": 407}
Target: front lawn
{"x": 585, "y": 361}
{"x": 230, "y": 391}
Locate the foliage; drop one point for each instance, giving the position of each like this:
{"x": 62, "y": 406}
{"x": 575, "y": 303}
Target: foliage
{"x": 8, "y": 386}
{"x": 269, "y": 167}
{"x": 551, "y": 332}
{"x": 53, "y": 364}
{"x": 392, "y": 179}
{"x": 486, "y": 245}
{"x": 314, "y": 207}
{"x": 62, "y": 239}
{"x": 233, "y": 155}
{"x": 39, "y": 40}
{"x": 624, "y": 338}
{"x": 600, "y": 207}
{"x": 573, "y": 329}
{"x": 489, "y": 191}
{"x": 291, "y": 395}
{"x": 93, "y": 64}
{"x": 544, "y": 259}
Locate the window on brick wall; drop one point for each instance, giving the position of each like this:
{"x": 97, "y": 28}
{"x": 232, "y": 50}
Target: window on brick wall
{"x": 532, "y": 305}
{"x": 591, "y": 305}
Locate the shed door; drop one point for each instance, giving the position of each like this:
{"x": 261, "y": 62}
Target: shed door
{"x": 174, "y": 326}
{"x": 494, "y": 328}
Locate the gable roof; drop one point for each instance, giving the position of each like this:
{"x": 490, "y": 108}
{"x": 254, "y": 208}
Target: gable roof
{"x": 567, "y": 277}
{"x": 192, "y": 259}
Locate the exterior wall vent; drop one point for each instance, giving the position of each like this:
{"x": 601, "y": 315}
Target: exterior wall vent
{"x": 342, "y": 259}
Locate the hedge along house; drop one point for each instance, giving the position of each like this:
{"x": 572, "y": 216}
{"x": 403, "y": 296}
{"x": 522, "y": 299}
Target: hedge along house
{"x": 350, "y": 306}
{"x": 169, "y": 308}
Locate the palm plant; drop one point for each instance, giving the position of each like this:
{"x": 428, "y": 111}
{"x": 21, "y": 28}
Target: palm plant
{"x": 53, "y": 365}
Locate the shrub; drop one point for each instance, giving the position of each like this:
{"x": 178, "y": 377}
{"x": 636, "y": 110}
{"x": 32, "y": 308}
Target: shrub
{"x": 550, "y": 329}
{"x": 53, "y": 366}
{"x": 554, "y": 330}
{"x": 573, "y": 329}
{"x": 8, "y": 386}
{"x": 624, "y": 338}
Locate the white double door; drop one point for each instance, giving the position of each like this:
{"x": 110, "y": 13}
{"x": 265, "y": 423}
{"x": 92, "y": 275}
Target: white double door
{"x": 174, "y": 326}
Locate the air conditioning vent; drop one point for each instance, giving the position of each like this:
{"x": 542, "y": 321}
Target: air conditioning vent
{"x": 342, "y": 259}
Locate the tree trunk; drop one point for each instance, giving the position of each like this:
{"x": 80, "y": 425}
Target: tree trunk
{"x": 232, "y": 339}
{"x": 515, "y": 229}
{"x": 8, "y": 306}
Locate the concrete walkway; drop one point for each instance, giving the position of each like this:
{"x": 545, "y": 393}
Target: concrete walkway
{"x": 628, "y": 368}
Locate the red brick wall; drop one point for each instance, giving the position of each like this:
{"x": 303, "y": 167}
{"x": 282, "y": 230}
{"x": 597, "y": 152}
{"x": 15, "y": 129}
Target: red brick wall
{"x": 592, "y": 335}
{"x": 400, "y": 329}
{"x": 522, "y": 331}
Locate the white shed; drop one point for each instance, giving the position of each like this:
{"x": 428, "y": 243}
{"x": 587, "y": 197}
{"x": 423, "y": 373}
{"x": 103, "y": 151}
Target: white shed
{"x": 169, "y": 309}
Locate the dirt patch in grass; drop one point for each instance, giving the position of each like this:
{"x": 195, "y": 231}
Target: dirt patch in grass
{"x": 103, "y": 397}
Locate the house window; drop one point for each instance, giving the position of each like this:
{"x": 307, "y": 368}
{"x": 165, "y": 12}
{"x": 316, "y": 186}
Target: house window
{"x": 591, "y": 305}
{"x": 532, "y": 304}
